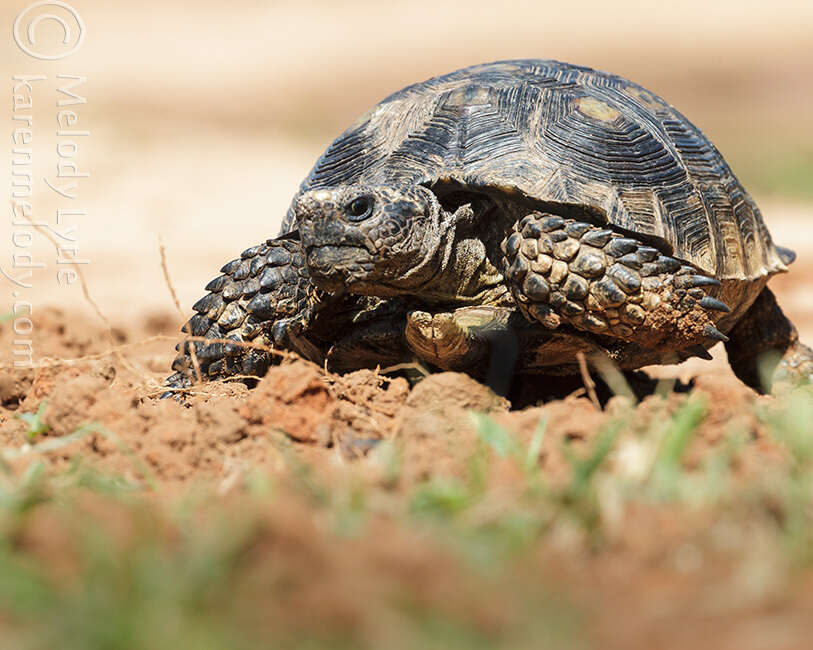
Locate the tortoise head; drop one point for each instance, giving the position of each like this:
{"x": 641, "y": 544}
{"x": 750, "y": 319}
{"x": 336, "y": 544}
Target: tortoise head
{"x": 375, "y": 240}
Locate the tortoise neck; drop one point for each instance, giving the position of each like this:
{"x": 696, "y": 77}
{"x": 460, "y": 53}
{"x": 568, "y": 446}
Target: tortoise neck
{"x": 465, "y": 275}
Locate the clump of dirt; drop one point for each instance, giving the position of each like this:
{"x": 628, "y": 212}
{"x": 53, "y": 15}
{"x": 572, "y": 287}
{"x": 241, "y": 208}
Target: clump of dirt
{"x": 308, "y": 405}
{"x": 274, "y": 403}
{"x": 71, "y": 392}
{"x": 14, "y": 386}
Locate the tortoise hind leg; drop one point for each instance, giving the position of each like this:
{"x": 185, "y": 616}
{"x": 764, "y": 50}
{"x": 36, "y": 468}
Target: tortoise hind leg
{"x": 479, "y": 340}
{"x": 764, "y": 348}
{"x": 566, "y": 271}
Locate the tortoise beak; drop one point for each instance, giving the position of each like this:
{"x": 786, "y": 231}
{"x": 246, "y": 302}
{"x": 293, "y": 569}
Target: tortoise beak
{"x": 336, "y": 268}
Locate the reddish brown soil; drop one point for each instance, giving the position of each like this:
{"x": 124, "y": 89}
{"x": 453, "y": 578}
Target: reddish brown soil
{"x": 665, "y": 579}
{"x": 223, "y": 426}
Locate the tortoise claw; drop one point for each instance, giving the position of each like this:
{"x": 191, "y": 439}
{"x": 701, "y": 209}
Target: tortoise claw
{"x": 175, "y": 380}
{"x": 691, "y": 281}
{"x": 697, "y": 351}
{"x": 713, "y": 333}
{"x": 712, "y": 304}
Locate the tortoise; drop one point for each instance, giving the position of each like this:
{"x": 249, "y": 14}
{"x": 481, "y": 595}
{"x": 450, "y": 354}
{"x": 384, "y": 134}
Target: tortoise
{"x": 508, "y": 216}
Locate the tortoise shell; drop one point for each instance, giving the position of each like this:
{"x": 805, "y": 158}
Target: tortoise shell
{"x": 562, "y": 134}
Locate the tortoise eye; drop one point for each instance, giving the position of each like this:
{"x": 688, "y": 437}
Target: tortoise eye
{"x": 360, "y": 208}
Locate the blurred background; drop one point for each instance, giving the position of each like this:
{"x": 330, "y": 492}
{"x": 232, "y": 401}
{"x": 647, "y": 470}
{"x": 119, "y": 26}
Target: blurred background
{"x": 205, "y": 117}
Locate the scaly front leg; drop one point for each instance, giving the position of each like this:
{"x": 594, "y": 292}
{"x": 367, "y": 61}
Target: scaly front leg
{"x": 264, "y": 297}
{"x": 565, "y": 271}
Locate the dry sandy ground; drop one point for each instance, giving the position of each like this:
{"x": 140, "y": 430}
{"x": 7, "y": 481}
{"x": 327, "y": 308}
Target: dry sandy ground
{"x": 688, "y": 575}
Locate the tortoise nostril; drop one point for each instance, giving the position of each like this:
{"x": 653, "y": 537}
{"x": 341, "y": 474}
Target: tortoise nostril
{"x": 314, "y": 204}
